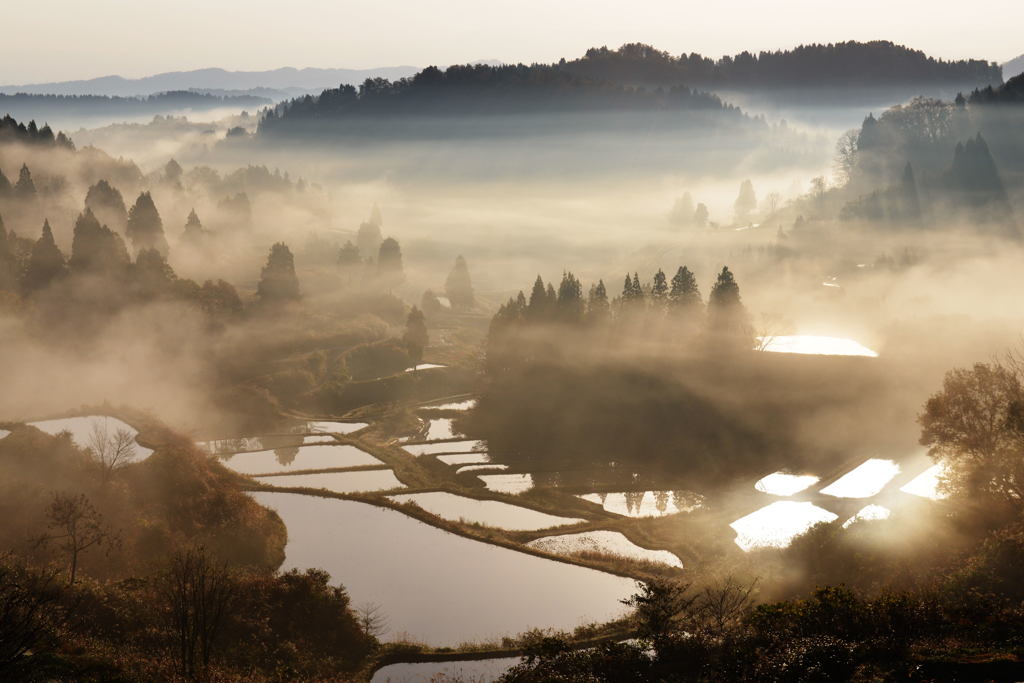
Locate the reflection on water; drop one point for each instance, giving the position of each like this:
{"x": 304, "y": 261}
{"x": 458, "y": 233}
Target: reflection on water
{"x": 424, "y": 366}
{"x": 609, "y": 542}
{"x": 815, "y": 345}
{"x": 4, "y": 433}
{"x": 465, "y": 458}
{"x": 458, "y": 405}
{"x": 336, "y": 427}
{"x": 437, "y": 587}
{"x": 776, "y": 525}
{"x": 339, "y": 482}
{"x": 445, "y": 447}
{"x": 316, "y": 457}
{"x": 440, "y": 428}
{"x": 866, "y": 480}
{"x": 489, "y": 512}
{"x": 869, "y": 512}
{"x": 926, "y": 484}
{"x": 646, "y": 503}
{"x": 507, "y": 483}
{"x": 473, "y": 468}
{"x": 783, "y": 484}
{"x": 82, "y": 431}
{"x": 468, "y": 670}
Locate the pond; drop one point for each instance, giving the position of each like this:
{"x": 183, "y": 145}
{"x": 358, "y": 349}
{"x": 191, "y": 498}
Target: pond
{"x": 445, "y": 447}
{"x": 296, "y": 458}
{"x": 864, "y": 481}
{"x": 507, "y": 483}
{"x": 336, "y": 427}
{"x": 815, "y": 345}
{"x": 926, "y": 484}
{"x": 608, "y": 542}
{"x": 646, "y": 503}
{"x": 466, "y": 670}
{"x": 776, "y": 525}
{"x": 489, "y": 512}
{"x": 340, "y": 482}
{"x": 868, "y": 512}
{"x": 86, "y": 429}
{"x": 434, "y": 586}
{"x": 258, "y": 443}
{"x": 785, "y": 484}
{"x": 465, "y": 458}
{"x": 457, "y": 405}
{"x": 440, "y": 428}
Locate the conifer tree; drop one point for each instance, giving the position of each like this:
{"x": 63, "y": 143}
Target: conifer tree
{"x": 145, "y": 229}
{"x": 746, "y": 202}
{"x": 659, "y": 290}
{"x": 46, "y": 263}
{"x": 25, "y": 188}
{"x": 348, "y": 255}
{"x": 598, "y": 308}
{"x": 570, "y": 299}
{"x": 538, "y": 307}
{"x": 8, "y": 262}
{"x": 194, "y": 234}
{"x": 700, "y": 216}
{"x": 107, "y": 205}
{"x": 458, "y": 287}
{"x": 278, "y": 283}
{"x": 6, "y": 190}
{"x": 96, "y": 248}
{"x": 415, "y": 337}
{"x": 684, "y": 292}
{"x": 389, "y": 262}
{"x": 728, "y": 322}
{"x": 369, "y": 239}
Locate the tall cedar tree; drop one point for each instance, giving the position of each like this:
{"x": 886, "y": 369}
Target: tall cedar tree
{"x": 598, "y": 308}
{"x": 5, "y": 186}
{"x": 145, "y": 229}
{"x": 746, "y": 202}
{"x": 107, "y": 205}
{"x": 415, "y": 337}
{"x": 194, "y": 234}
{"x": 96, "y": 248}
{"x": 539, "y": 305}
{"x": 570, "y": 299}
{"x": 728, "y": 324}
{"x": 25, "y": 188}
{"x": 278, "y": 283}
{"x": 46, "y": 263}
{"x": 389, "y": 262}
{"x": 458, "y": 287}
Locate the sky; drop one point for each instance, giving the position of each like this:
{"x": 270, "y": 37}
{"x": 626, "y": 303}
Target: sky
{"x": 72, "y": 39}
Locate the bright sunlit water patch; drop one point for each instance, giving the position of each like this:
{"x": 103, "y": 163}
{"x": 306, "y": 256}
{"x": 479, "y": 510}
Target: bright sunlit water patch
{"x": 425, "y": 366}
{"x": 489, "y": 512}
{"x": 474, "y": 468}
{"x": 869, "y": 512}
{"x": 296, "y": 458}
{"x": 479, "y": 458}
{"x": 339, "y": 482}
{"x": 783, "y": 484}
{"x": 458, "y": 405}
{"x": 4, "y": 433}
{"x": 926, "y": 484}
{"x": 864, "y": 481}
{"x": 608, "y": 542}
{"x": 507, "y": 483}
{"x": 815, "y": 345}
{"x": 439, "y": 429}
{"x": 776, "y": 525}
{"x": 86, "y": 429}
{"x": 646, "y": 503}
{"x": 459, "y": 670}
{"x": 446, "y": 447}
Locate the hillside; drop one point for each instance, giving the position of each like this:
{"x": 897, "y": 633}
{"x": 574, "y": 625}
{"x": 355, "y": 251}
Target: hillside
{"x": 1014, "y": 67}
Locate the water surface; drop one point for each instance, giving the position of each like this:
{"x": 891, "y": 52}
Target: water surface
{"x": 446, "y": 447}
{"x": 336, "y": 427}
{"x": 465, "y": 671}
{"x": 465, "y": 458}
{"x": 816, "y": 345}
{"x": 784, "y": 484}
{"x": 868, "y": 512}
{"x": 83, "y": 428}
{"x": 601, "y": 541}
{"x": 864, "y": 481}
{"x": 296, "y": 458}
{"x": 440, "y": 428}
{"x": 457, "y": 405}
{"x": 646, "y": 503}
{"x": 926, "y": 484}
{"x": 776, "y": 525}
{"x": 489, "y": 512}
{"x": 434, "y": 586}
{"x": 339, "y": 482}
{"x": 507, "y": 483}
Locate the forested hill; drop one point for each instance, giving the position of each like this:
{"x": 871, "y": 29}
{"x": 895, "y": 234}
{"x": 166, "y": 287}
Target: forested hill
{"x": 25, "y": 105}
{"x": 849, "y": 64}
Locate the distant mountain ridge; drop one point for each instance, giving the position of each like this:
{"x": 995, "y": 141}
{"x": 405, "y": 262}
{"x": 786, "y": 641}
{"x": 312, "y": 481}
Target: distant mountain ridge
{"x": 1014, "y": 67}
{"x": 286, "y": 81}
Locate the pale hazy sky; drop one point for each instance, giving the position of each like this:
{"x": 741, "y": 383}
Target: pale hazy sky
{"x": 71, "y": 39}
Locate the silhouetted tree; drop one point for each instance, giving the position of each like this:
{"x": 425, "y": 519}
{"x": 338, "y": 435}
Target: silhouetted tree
{"x": 598, "y": 308}
{"x": 369, "y": 239}
{"x": 219, "y": 300}
{"x": 540, "y": 305}
{"x": 107, "y": 205}
{"x": 458, "y": 287}
{"x": 8, "y": 262}
{"x": 700, "y": 216}
{"x": 569, "y": 303}
{"x": 46, "y": 263}
{"x": 96, "y": 248}
{"x": 684, "y": 292}
{"x": 389, "y": 262}
{"x": 348, "y": 255}
{"x": 75, "y": 526}
{"x": 194, "y": 235}
{"x": 6, "y": 190}
{"x": 25, "y": 188}
{"x": 746, "y": 202}
{"x": 659, "y": 290}
{"x": 728, "y": 323}
{"x": 145, "y": 229}
{"x": 415, "y": 337}
{"x": 278, "y": 283}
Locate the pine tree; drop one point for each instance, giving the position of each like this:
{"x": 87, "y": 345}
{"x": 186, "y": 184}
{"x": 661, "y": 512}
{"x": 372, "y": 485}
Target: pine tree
{"x": 415, "y": 337}
{"x": 700, "y": 216}
{"x": 172, "y": 172}
{"x": 684, "y": 292}
{"x": 6, "y": 190}
{"x": 458, "y": 287}
{"x": 598, "y": 308}
{"x": 8, "y": 262}
{"x": 369, "y": 239}
{"x": 659, "y": 290}
{"x": 46, "y": 263}
{"x": 107, "y": 205}
{"x": 278, "y": 283}
{"x": 194, "y": 234}
{"x": 145, "y": 229}
{"x": 570, "y": 299}
{"x": 389, "y": 262}
{"x": 728, "y": 323}
{"x": 348, "y": 255}
{"x": 25, "y": 188}
{"x": 746, "y": 202}
{"x": 152, "y": 278}
{"x": 538, "y": 307}
{"x": 96, "y": 248}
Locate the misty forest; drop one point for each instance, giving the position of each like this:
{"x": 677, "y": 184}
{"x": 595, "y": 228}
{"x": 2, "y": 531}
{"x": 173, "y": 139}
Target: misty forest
{"x": 628, "y": 366}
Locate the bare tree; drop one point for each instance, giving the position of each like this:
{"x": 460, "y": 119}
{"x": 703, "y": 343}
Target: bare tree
{"x": 198, "y": 592}
{"x": 112, "y": 451}
{"x": 721, "y": 607}
{"x": 371, "y": 619}
{"x": 846, "y": 156}
{"x": 75, "y": 526}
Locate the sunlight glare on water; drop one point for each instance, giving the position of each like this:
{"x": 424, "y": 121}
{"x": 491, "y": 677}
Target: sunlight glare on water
{"x": 783, "y": 484}
{"x": 864, "y": 481}
{"x": 816, "y": 345}
{"x": 926, "y": 484}
{"x": 776, "y": 525}
{"x": 869, "y": 512}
